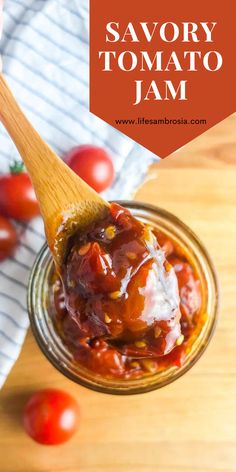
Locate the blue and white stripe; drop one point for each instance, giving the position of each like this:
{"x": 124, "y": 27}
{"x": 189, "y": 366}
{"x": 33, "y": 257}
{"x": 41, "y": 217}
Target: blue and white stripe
{"x": 45, "y": 53}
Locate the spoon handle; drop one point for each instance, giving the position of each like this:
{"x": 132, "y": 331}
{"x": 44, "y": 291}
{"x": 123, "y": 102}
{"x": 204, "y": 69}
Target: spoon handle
{"x": 45, "y": 168}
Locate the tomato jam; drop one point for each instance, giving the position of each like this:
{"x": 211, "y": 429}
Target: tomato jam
{"x": 128, "y": 301}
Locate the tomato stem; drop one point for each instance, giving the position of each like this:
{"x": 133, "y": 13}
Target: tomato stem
{"x": 17, "y": 167}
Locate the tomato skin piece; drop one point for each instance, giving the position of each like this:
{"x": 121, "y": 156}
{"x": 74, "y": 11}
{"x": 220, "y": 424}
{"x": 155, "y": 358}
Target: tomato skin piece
{"x": 17, "y": 197}
{"x": 51, "y": 417}
{"x": 93, "y": 164}
{"x": 189, "y": 288}
{"x": 8, "y": 238}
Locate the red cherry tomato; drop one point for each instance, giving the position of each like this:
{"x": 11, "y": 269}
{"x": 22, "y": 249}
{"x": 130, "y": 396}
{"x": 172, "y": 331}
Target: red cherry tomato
{"x": 8, "y": 238}
{"x": 17, "y": 197}
{"x": 51, "y": 417}
{"x": 93, "y": 165}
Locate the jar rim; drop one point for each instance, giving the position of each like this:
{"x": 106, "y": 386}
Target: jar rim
{"x": 137, "y": 386}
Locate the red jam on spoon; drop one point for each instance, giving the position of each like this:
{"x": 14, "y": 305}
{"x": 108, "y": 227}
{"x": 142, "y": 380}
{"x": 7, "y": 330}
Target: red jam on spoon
{"x": 118, "y": 303}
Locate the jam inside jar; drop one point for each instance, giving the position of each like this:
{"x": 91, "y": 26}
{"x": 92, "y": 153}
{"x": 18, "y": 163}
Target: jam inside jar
{"x": 99, "y": 364}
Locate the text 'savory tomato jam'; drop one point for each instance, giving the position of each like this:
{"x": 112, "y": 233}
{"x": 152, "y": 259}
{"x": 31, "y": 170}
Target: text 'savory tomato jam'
{"x": 105, "y": 329}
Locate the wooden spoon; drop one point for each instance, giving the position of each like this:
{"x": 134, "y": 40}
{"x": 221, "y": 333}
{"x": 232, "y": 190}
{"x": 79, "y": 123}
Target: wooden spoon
{"x": 67, "y": 203}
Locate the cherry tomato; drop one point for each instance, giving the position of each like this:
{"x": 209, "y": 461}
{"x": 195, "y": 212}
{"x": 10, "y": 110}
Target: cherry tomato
{"x": 51, "y": 417}
{"x": 93, "y": 165}
{"x": 8, "y": 238}
{"x": 17, "y": 197}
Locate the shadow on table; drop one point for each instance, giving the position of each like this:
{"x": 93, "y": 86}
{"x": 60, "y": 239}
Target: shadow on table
{"x": 12, "y": 407}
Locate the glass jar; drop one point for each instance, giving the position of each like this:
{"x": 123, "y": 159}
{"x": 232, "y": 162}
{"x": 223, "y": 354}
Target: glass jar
{"x": 59, "y": 355}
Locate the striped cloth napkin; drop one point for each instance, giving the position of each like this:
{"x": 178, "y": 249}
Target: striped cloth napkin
{"x": 45, "y": 53}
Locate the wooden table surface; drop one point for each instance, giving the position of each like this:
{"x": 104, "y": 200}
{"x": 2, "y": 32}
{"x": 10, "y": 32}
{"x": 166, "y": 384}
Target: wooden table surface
{"x": 189, "y": 425}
